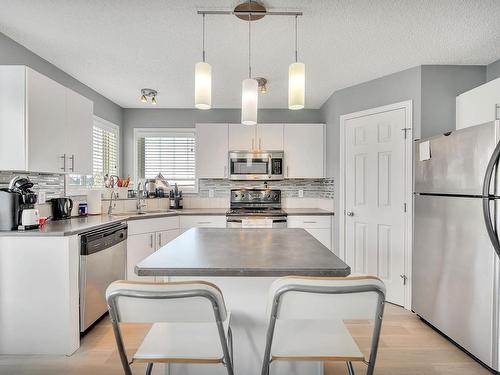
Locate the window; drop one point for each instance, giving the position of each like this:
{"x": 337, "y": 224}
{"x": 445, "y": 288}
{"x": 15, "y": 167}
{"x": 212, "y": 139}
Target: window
{"x": 105, "y": 154}
{"x": 170, "y": 152}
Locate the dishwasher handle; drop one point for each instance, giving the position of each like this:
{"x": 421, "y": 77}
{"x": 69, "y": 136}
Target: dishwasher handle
{"x": 95, "y": 241}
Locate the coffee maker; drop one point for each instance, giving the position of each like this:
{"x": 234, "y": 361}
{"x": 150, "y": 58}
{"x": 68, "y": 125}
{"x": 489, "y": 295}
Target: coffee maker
{"x": 17, "y": 205}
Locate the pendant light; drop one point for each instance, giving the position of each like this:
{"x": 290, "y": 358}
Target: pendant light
{"x": 296, "y": 80}
{"x": 203, "y": 80}
{"x": 249, "y": 92}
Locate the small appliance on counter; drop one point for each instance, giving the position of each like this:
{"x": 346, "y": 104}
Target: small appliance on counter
{"x": 61, "y": 208}
{"x": 176, "y": 198}
{"x": 17, "y": 206}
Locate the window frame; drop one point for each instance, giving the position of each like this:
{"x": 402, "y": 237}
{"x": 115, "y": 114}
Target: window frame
{"x": 162, "y": 132}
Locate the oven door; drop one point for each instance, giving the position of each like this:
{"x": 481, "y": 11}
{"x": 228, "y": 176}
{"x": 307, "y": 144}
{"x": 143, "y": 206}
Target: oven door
{"x": 256, "y": 222}
{"x": 249, "y": 166}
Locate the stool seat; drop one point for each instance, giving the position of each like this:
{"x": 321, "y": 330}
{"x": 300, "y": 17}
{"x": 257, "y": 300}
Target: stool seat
{"x": 314, "y": 340}
{"x": 181, "y": 343}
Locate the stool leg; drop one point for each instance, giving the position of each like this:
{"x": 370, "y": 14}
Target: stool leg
{"x": 149, "y": 369}
{"x": 350, "y": 369}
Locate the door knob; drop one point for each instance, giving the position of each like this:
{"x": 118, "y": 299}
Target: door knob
{"x": 349, "y": 213}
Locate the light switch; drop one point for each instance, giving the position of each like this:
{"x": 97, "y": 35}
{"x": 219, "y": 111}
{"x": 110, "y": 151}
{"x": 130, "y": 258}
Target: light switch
{"x": 41, "y": 197}
{"x": 301, "y": 193}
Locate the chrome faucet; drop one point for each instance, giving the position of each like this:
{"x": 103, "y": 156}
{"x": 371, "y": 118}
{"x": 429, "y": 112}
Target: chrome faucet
{"x": 140, "y": 204}
{"x": 112, "y": 204}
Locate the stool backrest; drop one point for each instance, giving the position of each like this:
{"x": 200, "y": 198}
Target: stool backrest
{"x": 142, "y": 302}
{"x": 352, "y": 298}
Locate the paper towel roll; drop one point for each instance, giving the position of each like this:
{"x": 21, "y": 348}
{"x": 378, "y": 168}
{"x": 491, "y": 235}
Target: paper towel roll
{"x": 94, "y": 202}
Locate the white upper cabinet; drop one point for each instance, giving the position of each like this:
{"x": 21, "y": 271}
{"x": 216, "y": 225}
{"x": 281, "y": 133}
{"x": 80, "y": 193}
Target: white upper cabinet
{"x": 256, "y": 137}
{"x": 479, "y": 105}
{"x": 304, "y": 146}
{"x": 242, "y": 137}
{"x": 269, "y": 137}
{"x": 44, "y": 127}
{"x": 211, "y": 150}
{"x": 80, "y": 118}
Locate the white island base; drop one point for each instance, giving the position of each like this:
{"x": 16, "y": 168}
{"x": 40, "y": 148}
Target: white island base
{"x": 246, "y": 299}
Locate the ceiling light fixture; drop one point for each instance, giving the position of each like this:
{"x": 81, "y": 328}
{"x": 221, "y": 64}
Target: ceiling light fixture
{"x": 296, "y": 80}
{"x": 250, "y": 11}
{"x": 203, "y": 80}
{"x": 149, "y": 93}
{"x": 262, "y": 85}
{"x": 249, "y": 88}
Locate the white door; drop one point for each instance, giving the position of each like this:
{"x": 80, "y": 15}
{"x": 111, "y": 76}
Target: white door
{"x": 242, "y": 137}
{"x": 79, "y": 121}
{"x": 139, "y": 247}
{"x": 304, "y": 150}
{"x": 269, "y": 137}
{"x": 375, "y": 198}
{"x": 46, "y": 117}
{"x": 211, "y": 151}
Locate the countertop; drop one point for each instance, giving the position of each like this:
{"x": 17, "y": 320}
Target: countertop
{"x": 78, "y": 225}
{"x": 243, "y": 252}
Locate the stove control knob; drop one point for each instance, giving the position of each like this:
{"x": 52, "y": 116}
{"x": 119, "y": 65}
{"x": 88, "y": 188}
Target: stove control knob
{"x": 242, "y": 195}
{"x": 268, "y": 196}
{"x": 275, "y": 196}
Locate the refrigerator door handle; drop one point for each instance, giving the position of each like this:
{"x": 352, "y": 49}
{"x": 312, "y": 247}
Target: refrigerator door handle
{"x": 490, "y": 169}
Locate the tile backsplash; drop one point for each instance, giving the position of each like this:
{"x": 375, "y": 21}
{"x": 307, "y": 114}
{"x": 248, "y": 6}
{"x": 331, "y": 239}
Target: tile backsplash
{"x": 312, "y": 188}
{"x": 51, "y": 184}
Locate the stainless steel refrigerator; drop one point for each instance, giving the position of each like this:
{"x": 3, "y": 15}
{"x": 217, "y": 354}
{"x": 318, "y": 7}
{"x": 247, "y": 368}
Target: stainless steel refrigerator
{"x": 455, "y": 281}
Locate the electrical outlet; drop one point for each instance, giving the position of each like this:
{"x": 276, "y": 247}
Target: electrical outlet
{"x": 301, "y": 193}
{"x": 41, "y": 197}
{"x": 211, "y": 193}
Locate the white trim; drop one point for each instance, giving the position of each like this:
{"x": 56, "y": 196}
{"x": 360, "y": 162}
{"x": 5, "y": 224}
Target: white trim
{"x": 408, "y": 107}
{"x": 158, "y": 132}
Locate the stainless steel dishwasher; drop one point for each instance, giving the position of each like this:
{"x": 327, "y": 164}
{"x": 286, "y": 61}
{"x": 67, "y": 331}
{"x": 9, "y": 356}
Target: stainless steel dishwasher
{"x": 103, "y": 259}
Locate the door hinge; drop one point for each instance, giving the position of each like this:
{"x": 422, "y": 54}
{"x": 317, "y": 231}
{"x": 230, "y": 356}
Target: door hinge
{"x": 405, "y": 278}
{"x": 404, "y": 207}
{"x": 406, "y": 130}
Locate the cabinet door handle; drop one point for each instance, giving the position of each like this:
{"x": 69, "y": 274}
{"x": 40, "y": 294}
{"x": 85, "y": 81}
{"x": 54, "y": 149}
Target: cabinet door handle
{"x": 151, "y": 241}
{"x": 72, "y": 158}
{"x": 287, "y": 172}
{"x": 309, "y": 222}
{"x": 159, "y": 239}
{"x": 204, "y": 222}
{"x": 260, "y": 144}
{"x": 253, "y": 142}
{"x": 63, "y": 157}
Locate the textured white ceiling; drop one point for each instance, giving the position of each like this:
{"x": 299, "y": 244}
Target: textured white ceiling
{"x": 118, "y": 47}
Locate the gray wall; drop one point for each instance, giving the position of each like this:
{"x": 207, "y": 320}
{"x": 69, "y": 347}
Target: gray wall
{"x": 493, "y": 70}
{"x": 187, "y": 118}
{"x": 12, "y": 53}
{"x": 440, "y": 86}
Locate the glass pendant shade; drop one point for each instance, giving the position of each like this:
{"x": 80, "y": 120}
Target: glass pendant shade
{"x": 249, "y": 98}
{"x": 296, "y": 85}
{"x": 203, "y": 86}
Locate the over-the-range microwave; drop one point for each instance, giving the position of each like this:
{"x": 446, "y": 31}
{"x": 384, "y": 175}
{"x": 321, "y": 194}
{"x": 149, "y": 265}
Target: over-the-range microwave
{"x": 255, "y": 165}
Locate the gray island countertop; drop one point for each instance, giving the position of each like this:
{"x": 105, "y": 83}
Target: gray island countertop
{"x": 243, "y": 252}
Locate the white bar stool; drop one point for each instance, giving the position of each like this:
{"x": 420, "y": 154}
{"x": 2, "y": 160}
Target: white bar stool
{"x": 190, "y": 322}
{"x": 307, "y": 317}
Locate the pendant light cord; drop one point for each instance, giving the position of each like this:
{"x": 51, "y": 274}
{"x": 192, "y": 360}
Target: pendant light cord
{"x": 296, "y": 53}
{"x": 249, "y": 47}
{"x": 203, "y": 39}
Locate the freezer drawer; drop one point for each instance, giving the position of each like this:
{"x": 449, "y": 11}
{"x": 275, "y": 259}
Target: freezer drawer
{"x": 458, "y": 161}
{"x": 453, "y": 272}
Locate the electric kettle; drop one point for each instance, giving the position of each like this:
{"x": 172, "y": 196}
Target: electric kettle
{"x": 61, "y": 208}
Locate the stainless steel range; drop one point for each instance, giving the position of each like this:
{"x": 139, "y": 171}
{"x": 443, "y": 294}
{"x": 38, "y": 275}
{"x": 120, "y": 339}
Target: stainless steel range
{"x": 255, "y": 208}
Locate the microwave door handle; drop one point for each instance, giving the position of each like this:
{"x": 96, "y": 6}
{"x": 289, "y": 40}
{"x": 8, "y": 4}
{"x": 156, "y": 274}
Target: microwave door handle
{"x": 270, "y": 165}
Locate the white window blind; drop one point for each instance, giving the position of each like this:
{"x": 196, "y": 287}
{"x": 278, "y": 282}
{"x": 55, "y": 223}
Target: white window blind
{"x": 104, "y": 154}
{"x": 171, "y": 154}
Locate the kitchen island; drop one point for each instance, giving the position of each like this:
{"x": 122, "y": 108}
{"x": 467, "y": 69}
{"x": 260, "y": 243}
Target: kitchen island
{"x": 244, "y": 263}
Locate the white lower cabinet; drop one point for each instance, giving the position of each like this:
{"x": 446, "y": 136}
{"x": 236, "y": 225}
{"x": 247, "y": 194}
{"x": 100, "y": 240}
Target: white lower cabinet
{"x": 320, "y": 227}
{"x": 202, "y": 221}
{"x": 145, "y": 237}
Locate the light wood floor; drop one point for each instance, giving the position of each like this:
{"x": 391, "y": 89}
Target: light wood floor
{"x": 407, "y": 347}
